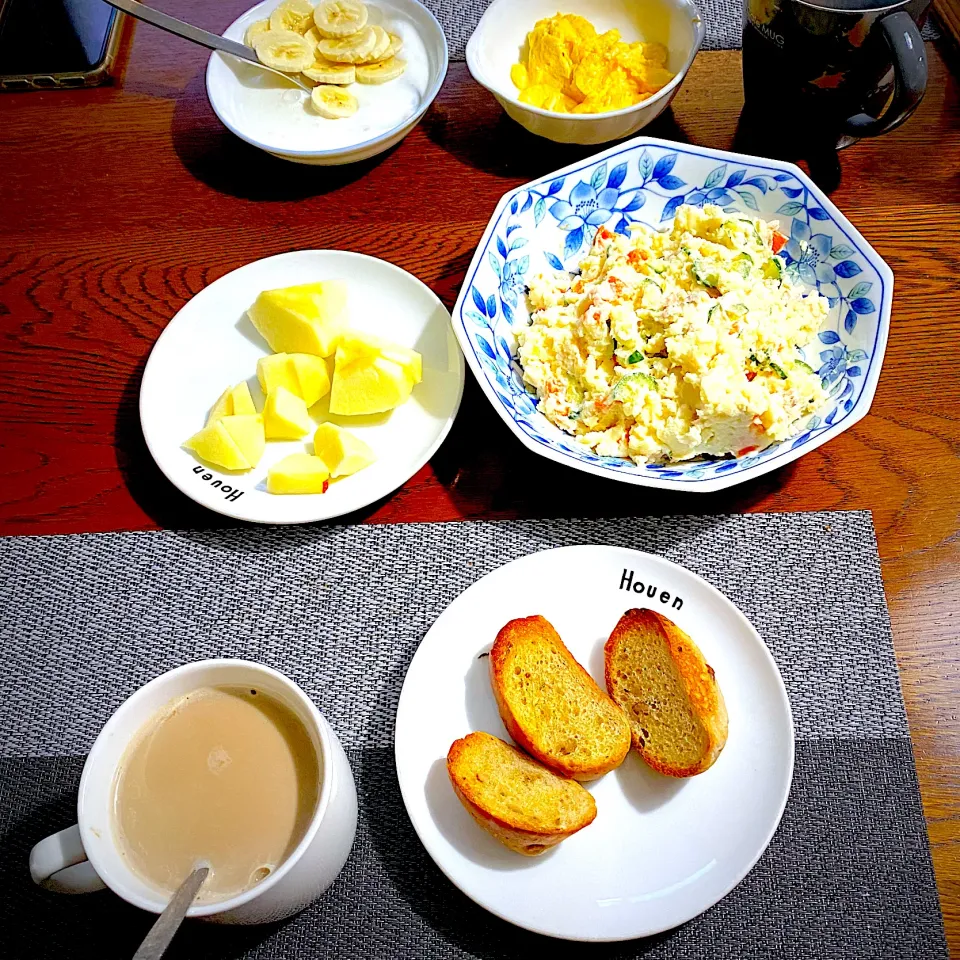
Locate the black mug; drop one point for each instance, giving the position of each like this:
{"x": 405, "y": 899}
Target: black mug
{"x": 833, "y": 70}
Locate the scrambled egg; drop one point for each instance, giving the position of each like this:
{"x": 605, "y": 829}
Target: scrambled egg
{"x": 570, "y": 68}
{"x": 674, "y": 345}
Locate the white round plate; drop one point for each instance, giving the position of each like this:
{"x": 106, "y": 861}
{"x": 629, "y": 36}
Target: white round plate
{"x": 211, "y": 344}
{"x": 661, "y": 851}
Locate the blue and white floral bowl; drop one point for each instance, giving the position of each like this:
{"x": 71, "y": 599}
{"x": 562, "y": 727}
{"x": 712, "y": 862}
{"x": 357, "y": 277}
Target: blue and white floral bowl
{"x": 550, "y": 223}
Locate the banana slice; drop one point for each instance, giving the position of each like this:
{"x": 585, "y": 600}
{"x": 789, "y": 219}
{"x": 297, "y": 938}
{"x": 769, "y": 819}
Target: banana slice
{"x": 381, "y": 72}
{"x": 326, "y": 71}
{"x": 295, "y": 15}
{"x": 353, "y": 49}
{"x": 284, "y": 50}
{"x": 396, "y": 44}
{"x": 313, "y": 38}
{"x": 340, "y": 18}
{"x": 379, "y": 52}
{"x": 333, "y": 103}
{"x": 255, "y": 30}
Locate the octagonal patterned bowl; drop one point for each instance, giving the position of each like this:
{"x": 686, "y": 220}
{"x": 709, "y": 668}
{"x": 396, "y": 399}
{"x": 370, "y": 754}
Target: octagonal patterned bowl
{"x": 548, "y": 224}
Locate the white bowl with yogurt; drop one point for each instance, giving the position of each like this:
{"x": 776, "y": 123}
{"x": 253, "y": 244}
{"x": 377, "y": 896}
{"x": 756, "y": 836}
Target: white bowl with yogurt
{"x": 276, "y": 116}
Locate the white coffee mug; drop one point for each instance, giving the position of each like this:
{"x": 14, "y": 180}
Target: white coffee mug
{"x": 86, "y": 857}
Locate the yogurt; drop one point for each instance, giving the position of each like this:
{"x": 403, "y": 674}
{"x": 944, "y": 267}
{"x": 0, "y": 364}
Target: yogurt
{"x": 281, "y": 117}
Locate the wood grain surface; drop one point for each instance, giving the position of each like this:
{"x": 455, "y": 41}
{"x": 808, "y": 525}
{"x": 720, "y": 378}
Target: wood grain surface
{"x": 119, "y": 204}
{"x": 948, "y": 12}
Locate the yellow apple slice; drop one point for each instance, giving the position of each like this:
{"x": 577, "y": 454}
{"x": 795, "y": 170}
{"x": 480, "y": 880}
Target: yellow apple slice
{"x": 222, "y": 408}
{"x": 365, "y": 386}
{"x": 410, "y": 360}
{"x": 298, "y": 473}
{"x": 277, "y": 371}
{"x": 302, "y": 374}
{"x": 233, "y": 400}
{"x": 357, "y": 345}
{"x": 285, "y": 416}
{"x": 309, "y": 318}
{"x": 247, "y": 433}
{"x": 242, "y": 401}
{"x": 215, "y": 445}
{"x": 342, "y": 451}
{"x": 313, "y": 381}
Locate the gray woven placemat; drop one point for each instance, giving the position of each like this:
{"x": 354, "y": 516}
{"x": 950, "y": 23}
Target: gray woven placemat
{"x": 723, "y": 20}
{"x": 84, "y": 620}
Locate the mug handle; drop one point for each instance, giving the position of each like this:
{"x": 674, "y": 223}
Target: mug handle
{"x": 910, "y": 76}
{"x": 59, "y": 863}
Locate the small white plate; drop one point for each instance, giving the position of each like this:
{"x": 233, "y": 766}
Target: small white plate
{"x": 661, "y": 851}
{"x": 211, "y": 344}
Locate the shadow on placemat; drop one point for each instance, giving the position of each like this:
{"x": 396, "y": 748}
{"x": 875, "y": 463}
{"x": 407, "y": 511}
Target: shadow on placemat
{"x": 848, "y": 868}
{"x": 42, "y": 924}
{"x": 38, "y": 924}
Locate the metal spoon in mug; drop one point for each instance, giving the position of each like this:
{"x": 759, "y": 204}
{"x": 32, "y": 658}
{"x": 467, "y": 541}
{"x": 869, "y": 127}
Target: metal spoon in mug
{"x": 206, "y": 39}
{"x": 157, "y": 940}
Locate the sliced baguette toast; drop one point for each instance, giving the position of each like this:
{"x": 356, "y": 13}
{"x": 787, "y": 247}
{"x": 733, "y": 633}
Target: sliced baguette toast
{"x": 551, "y": 706}
{"x": 521, "y": 803}
{"x": 678, "y": 719}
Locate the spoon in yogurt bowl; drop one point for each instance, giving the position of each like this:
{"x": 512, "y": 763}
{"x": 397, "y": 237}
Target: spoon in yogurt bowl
{"x": 197, "y": 35}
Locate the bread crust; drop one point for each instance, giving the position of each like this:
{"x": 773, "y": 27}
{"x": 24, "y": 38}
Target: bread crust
{"x": 524, "y": 630}
{"x": 699, "y": 680}
{"x": 530, "y": 843}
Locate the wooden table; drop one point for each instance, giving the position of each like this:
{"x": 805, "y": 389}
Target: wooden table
{"x": 119, "y": 204}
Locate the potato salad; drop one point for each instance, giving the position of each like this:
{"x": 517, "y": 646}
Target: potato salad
{"x": 675, "y": 345}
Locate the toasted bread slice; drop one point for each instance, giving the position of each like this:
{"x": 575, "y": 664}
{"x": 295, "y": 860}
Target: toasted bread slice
{"x": 678, "y": 719}
{"x": 551, "y": 706}
{"x": 524, "y": 805}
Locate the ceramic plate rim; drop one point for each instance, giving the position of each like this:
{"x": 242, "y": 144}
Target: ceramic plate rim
{"x": 407, "y": 787}
{"x": 314, "y": 516}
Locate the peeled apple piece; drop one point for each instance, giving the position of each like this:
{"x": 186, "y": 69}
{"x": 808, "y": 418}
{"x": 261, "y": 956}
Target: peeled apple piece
{"x": 298, "y": 473}
{"x": 283, "y": 50}
{"x": 372, "y": 375}
{"x": 242, "y": 401}
{"x": 246, "y": 431}
{"x": 277, "y": 371}
{"x": 343, "y": 452}
{"x": 301, "y": 373}
{"x": 308, "y": 318}
{"x": 356, "y": 344}
{"x": 312, "y": 377}
{"x": 368, "y": 386}
{"x": 285, "y": 416}
{"x": 222, "y": 408}
{"x": 215, "y": 445}
{"x": 233, "y": 400}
